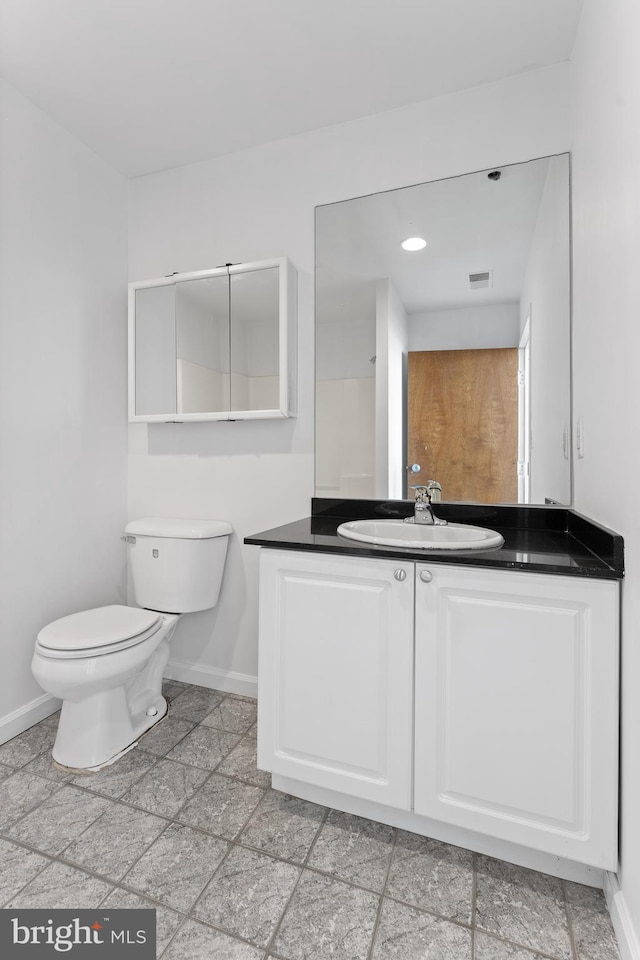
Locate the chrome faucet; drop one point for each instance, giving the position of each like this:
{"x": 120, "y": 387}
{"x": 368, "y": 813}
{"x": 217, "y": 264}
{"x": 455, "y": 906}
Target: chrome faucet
{"x": 423, "y": 512}
{"x": 435, "y": 491}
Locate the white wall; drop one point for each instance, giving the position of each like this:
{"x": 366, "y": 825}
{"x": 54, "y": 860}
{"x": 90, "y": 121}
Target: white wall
{"x": 466, "y": 328}
{"x": 259, "y": 204}
{"x": 392, "y": 338}
{"x": 606, "y": 253}
{"x": 62, "y": 387}
{"x": 546, "y": 295}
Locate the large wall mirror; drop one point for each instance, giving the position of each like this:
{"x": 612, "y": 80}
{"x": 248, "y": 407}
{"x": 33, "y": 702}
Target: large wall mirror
{"x": 450, "y": 364}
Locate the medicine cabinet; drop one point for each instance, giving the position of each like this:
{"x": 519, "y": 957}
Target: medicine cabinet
{"x": 213, "y": 345}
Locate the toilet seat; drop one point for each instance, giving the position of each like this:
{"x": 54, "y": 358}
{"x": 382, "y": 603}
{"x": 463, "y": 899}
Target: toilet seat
{"x": 97, "y": 632}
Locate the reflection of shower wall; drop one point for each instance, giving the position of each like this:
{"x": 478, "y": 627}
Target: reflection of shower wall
{"x": 345, "y": 398}
{"x": 255, "y": 393}
{"x": 255, "y": 359}
{"x": 202, "y": 343}
{"x": 200, "y": 388}
{"x": 345, "y": 455}
{"x": 202, "y": 351}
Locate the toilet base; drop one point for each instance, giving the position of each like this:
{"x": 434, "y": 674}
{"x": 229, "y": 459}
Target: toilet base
{"x": 103, "y": 743}
{"x": 89, "y": 771}
{"x": 99, "y": 725}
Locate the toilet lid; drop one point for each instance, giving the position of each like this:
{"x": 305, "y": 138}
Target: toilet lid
{"x": 97, "y": 628}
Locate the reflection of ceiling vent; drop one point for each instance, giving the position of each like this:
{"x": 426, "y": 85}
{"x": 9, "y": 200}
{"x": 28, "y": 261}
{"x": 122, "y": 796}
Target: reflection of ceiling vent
{"x": 477, "y": 281}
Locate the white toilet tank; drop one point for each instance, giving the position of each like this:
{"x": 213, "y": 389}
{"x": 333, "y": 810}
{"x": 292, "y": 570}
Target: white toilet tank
{"x": 177, "y": 565}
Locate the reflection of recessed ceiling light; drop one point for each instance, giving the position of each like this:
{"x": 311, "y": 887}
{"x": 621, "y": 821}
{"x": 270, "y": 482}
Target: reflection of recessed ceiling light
{"x": 414, "y": 243}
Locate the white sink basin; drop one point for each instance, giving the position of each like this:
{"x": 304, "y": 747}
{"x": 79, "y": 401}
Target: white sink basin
{"x": 396, "y": 533}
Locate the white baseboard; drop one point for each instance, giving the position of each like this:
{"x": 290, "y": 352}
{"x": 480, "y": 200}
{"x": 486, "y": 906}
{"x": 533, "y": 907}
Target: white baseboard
{"x": 24, "y": 717}
{"x": 628, "y": 942}
{"x": 241, "y": 683}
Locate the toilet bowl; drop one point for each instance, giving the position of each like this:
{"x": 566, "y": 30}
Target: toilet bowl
{"x": 107, "y": 664}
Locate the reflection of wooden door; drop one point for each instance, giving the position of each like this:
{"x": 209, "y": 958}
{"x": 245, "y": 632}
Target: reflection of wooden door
{"x": 462, "y": 422}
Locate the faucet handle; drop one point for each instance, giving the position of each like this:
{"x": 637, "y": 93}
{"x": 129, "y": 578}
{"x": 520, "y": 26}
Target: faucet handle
{"x": 422, "y": 493}
{"x": 435, "y": 490}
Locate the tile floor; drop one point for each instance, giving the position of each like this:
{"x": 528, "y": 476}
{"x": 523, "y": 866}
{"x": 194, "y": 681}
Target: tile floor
{"x": 185, "y": 823}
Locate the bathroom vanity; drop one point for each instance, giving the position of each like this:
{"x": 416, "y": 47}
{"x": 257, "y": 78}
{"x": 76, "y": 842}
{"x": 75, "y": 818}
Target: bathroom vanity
{"x": 470, "y": 697}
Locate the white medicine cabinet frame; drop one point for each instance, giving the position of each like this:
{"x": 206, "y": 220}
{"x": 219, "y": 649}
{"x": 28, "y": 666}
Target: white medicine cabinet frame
{"x": 214, "y": 344}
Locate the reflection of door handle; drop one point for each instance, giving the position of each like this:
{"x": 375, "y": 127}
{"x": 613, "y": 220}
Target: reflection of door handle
{"x": 414, "y": 468}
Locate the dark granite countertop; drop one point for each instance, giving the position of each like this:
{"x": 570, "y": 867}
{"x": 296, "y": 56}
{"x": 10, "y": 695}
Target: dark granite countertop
{"x": 542, "y": 539}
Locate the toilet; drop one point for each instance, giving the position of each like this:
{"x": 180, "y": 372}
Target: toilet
{"x": 107, "y": 664}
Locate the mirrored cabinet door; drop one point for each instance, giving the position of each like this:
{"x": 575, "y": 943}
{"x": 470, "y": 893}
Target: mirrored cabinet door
{"x": 255, "y": 340}
{"x": 202, "y": 345}
{"x": 155, "y": 351}
{"x": 213, "y": 345}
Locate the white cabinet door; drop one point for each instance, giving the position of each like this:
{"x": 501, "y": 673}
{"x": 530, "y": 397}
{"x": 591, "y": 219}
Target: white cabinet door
{"x": 517, "y": 708}
{"x": 336, "y": 673}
